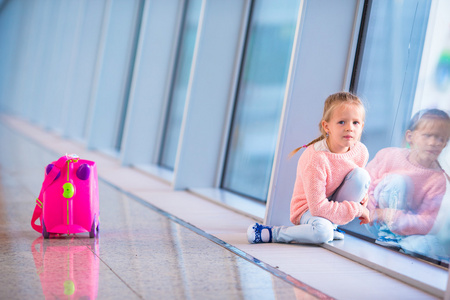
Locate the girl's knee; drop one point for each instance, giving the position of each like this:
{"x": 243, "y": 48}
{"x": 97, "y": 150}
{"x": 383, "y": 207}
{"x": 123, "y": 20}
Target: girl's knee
{"x": 323, "y": 231}
{"x": 393, "y": 191}
{"x": 354, "y": 187}
{"x": 398, "y": 181}
{"x": 359, "y": 175}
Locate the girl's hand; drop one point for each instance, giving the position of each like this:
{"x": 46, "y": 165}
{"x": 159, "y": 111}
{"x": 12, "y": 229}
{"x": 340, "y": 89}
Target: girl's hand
{"x": 378, "y": 216}
{"x": 365, "y": 219}
{"x": 379, "y": 213}
{"x": 386, "y": 216}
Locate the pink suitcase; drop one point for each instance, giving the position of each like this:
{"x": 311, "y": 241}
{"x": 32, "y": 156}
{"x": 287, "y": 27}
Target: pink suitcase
{"x": 68, "y": 201}
{"x": 67, "y": 269}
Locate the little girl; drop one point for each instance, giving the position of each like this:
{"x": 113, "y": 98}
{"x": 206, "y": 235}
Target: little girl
{"x": 331, "y": 184}
{"x": 408, "y": 184}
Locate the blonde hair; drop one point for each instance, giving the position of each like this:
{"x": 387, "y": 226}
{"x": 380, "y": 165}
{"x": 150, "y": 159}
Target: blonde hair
{"x": 331, "y": 103}
{"x": 425, "y": 116}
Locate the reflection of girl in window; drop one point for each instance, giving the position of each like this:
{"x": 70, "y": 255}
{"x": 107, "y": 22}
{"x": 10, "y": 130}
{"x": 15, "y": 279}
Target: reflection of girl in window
{"x": 408, "y": 184}
{"x": 331, "y": 185}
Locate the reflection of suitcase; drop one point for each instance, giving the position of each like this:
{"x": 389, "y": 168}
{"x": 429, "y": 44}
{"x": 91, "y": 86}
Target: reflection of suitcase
{"x": 67, "y": 268}
{"x": 68, "y": 201}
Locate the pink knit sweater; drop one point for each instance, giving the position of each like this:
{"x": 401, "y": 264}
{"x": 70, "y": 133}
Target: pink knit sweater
{"x": 429, "y": 188}
{"x": 319, "y": 174}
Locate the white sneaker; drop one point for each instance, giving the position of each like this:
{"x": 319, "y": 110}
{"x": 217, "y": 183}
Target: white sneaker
{"x": 257, "y": 233}
{"x": 338, "y": 234}
{"x": 387, "y": 242}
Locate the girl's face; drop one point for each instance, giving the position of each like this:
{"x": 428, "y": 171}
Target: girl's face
{"x": 344, "y": 127}
{"x": 427, "y": 142}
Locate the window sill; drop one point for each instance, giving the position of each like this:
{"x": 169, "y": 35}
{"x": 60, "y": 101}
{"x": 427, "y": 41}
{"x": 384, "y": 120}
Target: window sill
{"x": 415, "y": 272}
{"x": 250, "y": 208}
{"x": 160, "y": 173}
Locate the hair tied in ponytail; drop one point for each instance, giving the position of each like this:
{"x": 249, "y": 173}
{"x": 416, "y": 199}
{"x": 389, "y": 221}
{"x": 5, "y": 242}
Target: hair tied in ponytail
{"x": 296, "y": 150}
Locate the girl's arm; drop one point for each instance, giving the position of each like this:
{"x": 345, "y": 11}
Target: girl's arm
{"x": 314, "y": 181}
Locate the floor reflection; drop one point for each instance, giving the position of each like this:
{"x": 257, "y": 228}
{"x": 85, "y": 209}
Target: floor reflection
{"x": 67, "y": 267}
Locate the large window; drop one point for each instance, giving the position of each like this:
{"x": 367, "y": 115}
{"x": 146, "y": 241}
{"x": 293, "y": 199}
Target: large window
{"x": 180, "y": 84}
{"x": 402, "y": 74}
{"x": 260, "y": 98}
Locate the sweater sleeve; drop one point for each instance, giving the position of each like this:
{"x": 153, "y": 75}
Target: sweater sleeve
{"x": 314, "y": 175}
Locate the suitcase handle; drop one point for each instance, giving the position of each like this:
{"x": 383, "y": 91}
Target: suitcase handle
{"x": 47, "y": 181}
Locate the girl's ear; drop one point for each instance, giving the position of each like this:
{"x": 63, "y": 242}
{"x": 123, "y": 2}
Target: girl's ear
{"x": 408, "y": 136}
{"x": 362, "y": 128}
{"x": 325, "y": 125}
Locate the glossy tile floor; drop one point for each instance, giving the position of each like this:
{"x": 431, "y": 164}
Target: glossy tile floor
{"x": 154, "y": 243}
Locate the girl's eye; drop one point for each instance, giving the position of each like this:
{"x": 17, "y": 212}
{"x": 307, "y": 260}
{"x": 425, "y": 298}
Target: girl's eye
{"x": 341, "y": 122}
{"x": 356, "y": 123}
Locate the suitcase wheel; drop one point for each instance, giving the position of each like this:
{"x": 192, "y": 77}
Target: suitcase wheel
{"x": 94, "y": 228}
{"x": 45, "y": 234}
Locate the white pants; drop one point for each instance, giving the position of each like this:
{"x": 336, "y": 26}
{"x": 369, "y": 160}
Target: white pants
{"x": 318, "y": 230}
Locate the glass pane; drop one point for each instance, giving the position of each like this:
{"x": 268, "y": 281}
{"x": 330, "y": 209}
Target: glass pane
{"x": 407, "y": 127}
{"x": 180, "y": 84}
{"x": 389, "y": 67}
{"x": 260, "y": 98}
